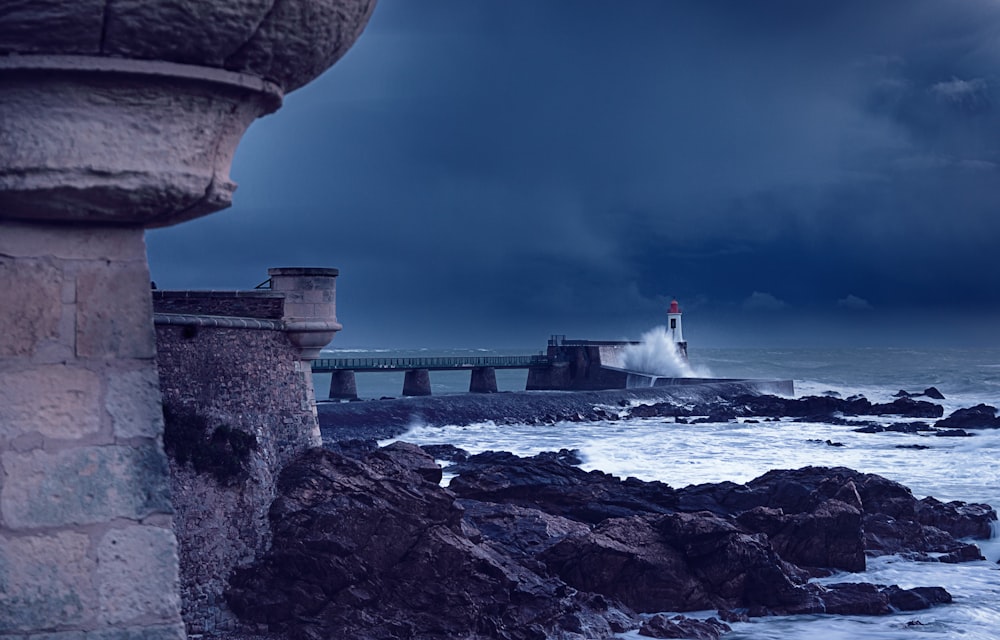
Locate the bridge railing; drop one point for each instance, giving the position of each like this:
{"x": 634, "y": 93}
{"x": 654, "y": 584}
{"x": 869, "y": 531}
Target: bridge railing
{"x": 444, "y": 362}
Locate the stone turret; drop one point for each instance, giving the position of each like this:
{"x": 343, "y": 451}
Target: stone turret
{"x": 310, "y": 311}
{"x": 115, "y": 116}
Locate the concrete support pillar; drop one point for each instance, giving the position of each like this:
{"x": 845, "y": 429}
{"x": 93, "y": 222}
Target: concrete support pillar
{"x": 85, "y": 515}
{"x": 483, "y": 380}
{"x": 417, "y": 382}
{"x": 343, "y": 386}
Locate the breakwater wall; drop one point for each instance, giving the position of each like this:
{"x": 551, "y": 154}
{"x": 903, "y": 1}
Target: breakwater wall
{"x": 384, "y": 419}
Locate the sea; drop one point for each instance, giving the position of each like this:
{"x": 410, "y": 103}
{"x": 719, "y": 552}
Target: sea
{"x": 965, "y": 469}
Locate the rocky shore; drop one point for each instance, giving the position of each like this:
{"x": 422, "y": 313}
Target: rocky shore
{"x": 369, "y": 545}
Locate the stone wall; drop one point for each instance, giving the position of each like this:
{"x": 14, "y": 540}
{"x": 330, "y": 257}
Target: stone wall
{"x": 243, "y": 304}
{"x": 249, "y": 380}
{"x": 86, "y": 547}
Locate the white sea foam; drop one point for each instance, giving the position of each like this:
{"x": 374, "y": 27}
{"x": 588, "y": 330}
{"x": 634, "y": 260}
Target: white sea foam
{"x": 657, "y": 354}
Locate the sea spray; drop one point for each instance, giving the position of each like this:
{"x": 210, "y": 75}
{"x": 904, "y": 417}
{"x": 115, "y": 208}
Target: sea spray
{"x": 657, "y": 354}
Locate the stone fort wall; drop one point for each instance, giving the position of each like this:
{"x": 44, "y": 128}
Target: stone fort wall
{"x": 227, "y": 370}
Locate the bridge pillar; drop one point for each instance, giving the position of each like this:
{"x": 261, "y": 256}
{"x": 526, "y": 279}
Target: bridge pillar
{"x": 343, "y": 385}
{"x": 417, "y": 382}
{"x": 483, "y": 380}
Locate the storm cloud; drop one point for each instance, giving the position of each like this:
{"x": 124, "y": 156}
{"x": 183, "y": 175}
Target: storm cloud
{"x": 485, "y": 173}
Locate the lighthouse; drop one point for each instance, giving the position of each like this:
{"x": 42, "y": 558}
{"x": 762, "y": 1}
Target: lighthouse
{"x": 676, "y": 332}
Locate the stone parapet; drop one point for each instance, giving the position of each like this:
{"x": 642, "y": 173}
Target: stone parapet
{"x": 242, "y": 304}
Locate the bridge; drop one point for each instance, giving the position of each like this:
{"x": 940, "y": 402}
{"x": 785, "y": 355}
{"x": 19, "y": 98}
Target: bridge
{"x": 417, "y": 380}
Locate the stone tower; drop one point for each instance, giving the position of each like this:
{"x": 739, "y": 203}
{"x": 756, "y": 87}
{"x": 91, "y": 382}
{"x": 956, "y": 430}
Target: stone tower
{"x": 115, "y": 116}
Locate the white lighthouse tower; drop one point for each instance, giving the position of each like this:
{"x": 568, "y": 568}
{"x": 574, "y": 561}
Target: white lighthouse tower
{"x": 676, "y": 331}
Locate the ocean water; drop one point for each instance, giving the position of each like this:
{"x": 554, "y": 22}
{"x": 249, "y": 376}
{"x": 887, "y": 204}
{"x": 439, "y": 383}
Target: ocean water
{"x": 679, "y": 454}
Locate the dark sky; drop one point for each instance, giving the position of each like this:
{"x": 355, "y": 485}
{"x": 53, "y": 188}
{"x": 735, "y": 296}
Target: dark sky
{"x": 487, "y": 172}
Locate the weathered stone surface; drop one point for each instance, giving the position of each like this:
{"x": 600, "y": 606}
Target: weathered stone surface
{"x": 114, "y": 311}
{"x": 133, "y": 402}
{"x": 286, "y": 41}
{"x": 135, "y": 565}
{"x": 51, "y": 26}
{"x": 211, "y": 30}
{"x": 299, "y": 39}
{"x": 100, "y": 140}
{"x": 21, "y": 240}
{"x": 220, "y": 526}
{"x": 57, "y": 401}
{"x": 36, "y": 285}
{"x": 83, "y": 485}
{"x": 45, "y": 581}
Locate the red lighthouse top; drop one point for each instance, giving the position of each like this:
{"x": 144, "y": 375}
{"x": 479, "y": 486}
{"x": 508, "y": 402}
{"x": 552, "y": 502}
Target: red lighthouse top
{"x": 674, "y": 307}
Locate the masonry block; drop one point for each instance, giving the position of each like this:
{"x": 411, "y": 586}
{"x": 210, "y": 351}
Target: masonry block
{"x": 134, "y": 564}
{"x": 58, "y": 401}
{"x": 133, "y": 402}
{"x": 114, "y": 311}
{"x": 101, "y": 243}
{"x": 36, "y": 285}
{"x": 45, "y": 581}
{"x": 83, "y": 485}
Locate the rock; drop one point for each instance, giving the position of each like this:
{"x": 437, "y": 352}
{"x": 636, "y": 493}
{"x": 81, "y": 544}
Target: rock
{"x": 536, "y": 547}
{"x": 448, "y": 452}
{"x": 662, "y": 626}
{"x": 551, "y": 483}
{"x": 930, "y": 392}
{"x": 909, "y": 408}
{"x": 952, "y": 433}
{"x": 368, "y": 549}
{"x": 919, "y": 526}
{"x": 981, "y": 416}
{"x": 830, "y": 536}
{"x": 917, "y": 598}
{"x": 677, "y": 562}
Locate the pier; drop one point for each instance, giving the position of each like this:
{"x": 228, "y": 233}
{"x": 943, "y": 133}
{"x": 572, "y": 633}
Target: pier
{"x": 566, "y": 365}
{"x": 417, "y": 381}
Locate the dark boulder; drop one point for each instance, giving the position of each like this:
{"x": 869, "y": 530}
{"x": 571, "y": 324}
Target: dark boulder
{"x": 677, "y": 562}
{"x": 981, "y": 416}
{"x": 907, "y": 407}
{"x": 829, "y": 536}
{"x": 448, "y": 452}
{"x": 930, "y": 392}
{"x": 663, "y": 626}
{"x": 952, "y": 433}
{"x": 896, "y": 427}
